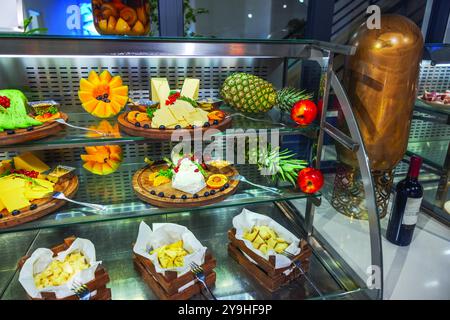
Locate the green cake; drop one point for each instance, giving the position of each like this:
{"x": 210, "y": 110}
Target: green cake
{"x": 15, "y": 116}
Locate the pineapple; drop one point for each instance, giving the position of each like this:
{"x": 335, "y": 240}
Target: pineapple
{"x": 250, "y": 93}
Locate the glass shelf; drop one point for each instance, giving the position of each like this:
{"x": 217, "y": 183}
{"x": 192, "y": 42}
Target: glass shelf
{"x": 433, "y": 152}
{"x": 127, "y": 45}
{"x": 424, "y": 107}
{"x": 73, "y": 138}
{"x": 115, "y": 191}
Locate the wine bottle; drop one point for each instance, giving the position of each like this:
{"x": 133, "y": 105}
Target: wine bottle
{"x": 406, "y": 206}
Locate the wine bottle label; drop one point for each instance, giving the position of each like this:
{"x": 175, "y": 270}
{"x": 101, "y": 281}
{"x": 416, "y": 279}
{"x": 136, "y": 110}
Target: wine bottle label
{"x": 412, "y": 209}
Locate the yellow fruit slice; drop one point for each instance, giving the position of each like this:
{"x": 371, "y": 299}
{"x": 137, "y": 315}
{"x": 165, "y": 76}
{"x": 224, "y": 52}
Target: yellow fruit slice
{"x": 115, "y": 82}
{"x": 111, "y": 24}
{"x": 93, "y": 78}
{"x": 216, "y": 181}
{"x": 90, "y": 105}
{"x": 159, "y": 180}
{"x": 103, "y": 25}
{"x": 122, "y": 26}
{"x": 105, "y": 76}
{"x": 122, "y": 100}
{"x": 120, "y": 91}
{"x": 138, "y": 27}
{"x": 152, "y": 176}
{"x": 85, "y": 96}
{"x": 85, "y": 85}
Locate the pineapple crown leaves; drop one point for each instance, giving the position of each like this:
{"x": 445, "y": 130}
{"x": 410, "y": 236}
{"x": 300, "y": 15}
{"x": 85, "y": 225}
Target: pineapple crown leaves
{"x": 280, "y": 165}
{"x": 287, "y": 97}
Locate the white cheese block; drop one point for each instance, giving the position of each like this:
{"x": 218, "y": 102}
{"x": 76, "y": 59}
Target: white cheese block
{"x": 190, "y": 88}
{"x": 160, "y": 89}
{"x": 188, "y": 178}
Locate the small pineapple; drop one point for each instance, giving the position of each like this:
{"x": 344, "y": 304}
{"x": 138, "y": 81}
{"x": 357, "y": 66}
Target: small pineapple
{"x": 250, "y": 93}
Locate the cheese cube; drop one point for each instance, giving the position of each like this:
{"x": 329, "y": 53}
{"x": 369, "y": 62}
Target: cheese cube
{"x": 160, "y": 89}
{"x": 14, "y": 199}
{"x": 190, "y": 88}
{"x": 30, "y": 162}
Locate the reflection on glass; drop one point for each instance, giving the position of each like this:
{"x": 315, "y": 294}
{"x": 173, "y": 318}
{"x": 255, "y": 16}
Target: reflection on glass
{"x": 251, "y": 19}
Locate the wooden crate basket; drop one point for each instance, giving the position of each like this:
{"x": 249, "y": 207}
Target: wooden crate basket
{"x": 98, "y": 284}
{"x": 166, "y": 285}
{"x": 264, "y": 270}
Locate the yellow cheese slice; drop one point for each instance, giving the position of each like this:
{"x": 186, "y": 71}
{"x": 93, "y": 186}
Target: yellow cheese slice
{"x": 2, "y": 206}
{"x": 29, "y": 161}
{"x": 190, "y": 88}
{"x": 163, "y": 117}
{"x": 160, "y": 89}
{"x": 11, "y": 182}
{"x": 14, "y": 199}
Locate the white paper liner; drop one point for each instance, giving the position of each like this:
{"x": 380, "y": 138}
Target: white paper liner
{"x": 168, "y": 233}
{"x": 42, "y": 257}
{"x": 247, "y": 219}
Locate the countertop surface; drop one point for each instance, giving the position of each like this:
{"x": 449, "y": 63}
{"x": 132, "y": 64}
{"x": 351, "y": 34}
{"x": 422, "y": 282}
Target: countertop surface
{"x": 419, "y": 271}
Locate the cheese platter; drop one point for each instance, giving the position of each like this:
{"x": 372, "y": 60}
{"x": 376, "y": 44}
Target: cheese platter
{"x": 21, "y": 121}
{"x": 27, "y": 192}
{"x": 184, "y": 183}
{"x": 172, "y": 111}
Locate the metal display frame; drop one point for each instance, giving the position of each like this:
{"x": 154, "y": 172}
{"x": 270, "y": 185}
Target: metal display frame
{"x": 129, "y": 47}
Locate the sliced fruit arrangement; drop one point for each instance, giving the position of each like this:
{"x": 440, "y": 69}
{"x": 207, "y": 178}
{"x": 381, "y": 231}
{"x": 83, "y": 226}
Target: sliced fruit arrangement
{"x": 250, "y": 93}
{"x": 122, "y": 16}
{"x": 102, "y": 160}
{"x": 103, "y": 95}
{"x": 264, "y": 238}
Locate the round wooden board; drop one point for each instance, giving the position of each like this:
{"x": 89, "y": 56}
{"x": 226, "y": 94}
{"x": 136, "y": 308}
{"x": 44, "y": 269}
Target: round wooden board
{"x": 142, "y": 188}
{"x": 39, "y": 132}
{"x": 45, "y": 206}
{"x": 435, "y": 104}
{"x": 166, "y": 134}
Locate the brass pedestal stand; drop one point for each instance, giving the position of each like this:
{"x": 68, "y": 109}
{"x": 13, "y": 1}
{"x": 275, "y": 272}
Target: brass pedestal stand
{"x": 348, "y": 192}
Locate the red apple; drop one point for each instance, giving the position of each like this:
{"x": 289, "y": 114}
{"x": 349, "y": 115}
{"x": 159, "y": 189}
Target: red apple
{"x": 304, "y": 112}
{"x": 310, "y": 180}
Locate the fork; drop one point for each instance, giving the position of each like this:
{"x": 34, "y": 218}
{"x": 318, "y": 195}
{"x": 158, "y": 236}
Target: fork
{"x": 62, "y": 121}
{"x": 244, "y": 179}
{"x": 81, "y": 290}
{"x": 298, "y": 264}
{"x": 61, "y": 196}
{"x": 200, "y": 276}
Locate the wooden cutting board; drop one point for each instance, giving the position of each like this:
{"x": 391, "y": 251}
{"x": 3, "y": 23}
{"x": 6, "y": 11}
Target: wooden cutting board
{"x": 44, "y": 206}
{"x": 142, "y": 187}
{"x": 166, "y": 134}
{"x": 23, "y": 135}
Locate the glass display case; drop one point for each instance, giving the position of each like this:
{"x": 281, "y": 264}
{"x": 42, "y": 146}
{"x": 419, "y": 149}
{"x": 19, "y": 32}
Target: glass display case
{"x": 50, "y": 68}
{"x": 430, "y": 131}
